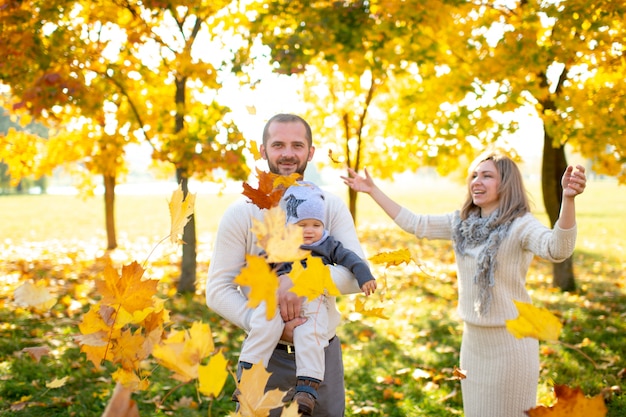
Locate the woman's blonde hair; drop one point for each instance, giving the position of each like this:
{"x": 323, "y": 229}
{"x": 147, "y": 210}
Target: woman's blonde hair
{"x": 513, "y": 197}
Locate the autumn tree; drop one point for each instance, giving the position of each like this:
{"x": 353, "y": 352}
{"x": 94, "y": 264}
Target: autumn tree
{"x": 564, "y": 60}
{"x": 359, "y": 61}
{"x": 111, "y": 73}
{"x": 451, "y": 73}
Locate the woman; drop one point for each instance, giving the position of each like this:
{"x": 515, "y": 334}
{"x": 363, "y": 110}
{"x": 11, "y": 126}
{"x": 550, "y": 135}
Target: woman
{"x": 495, "y": 238}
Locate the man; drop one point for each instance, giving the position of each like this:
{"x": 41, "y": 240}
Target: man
{"x": 288, "y": 147}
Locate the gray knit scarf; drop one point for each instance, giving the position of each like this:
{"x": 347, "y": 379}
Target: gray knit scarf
{"x": 476, "y": 231}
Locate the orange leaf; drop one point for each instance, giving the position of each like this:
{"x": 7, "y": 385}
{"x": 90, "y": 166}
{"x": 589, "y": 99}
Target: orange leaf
{"x": 271, "y": 188}
{"x": 262, "y": 281}
{"x": 129, "y": 349}
{"x": 534, "y": 322}
{"x": 181, "y": 210}
{"x": 128, "y": 290}
{"x": 571, "y": 403}
{"x": 312, "y": 281}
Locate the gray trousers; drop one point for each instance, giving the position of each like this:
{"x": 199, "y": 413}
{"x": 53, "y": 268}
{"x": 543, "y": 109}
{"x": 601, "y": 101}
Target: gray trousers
{"x": 331, "y": 401}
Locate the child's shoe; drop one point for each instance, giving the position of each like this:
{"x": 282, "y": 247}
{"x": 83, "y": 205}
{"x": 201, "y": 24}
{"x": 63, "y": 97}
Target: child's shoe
{"x": 306, "y": 394}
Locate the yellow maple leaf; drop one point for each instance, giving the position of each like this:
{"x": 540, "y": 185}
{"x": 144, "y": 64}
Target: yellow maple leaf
{"x": 312, "y": 281}
{"x": 181, "y": 210}
{"x": 253, "y": 400}
{"x": 37, "y": 297}
{"x": 212, "y": 376}
{"x": 128, "y": 290}
{"x": 359, "y": 307}
{"x": 535, "y": 322}
{"x": 281, "y": 241}
{"x": 392, "y": 258}
{"x": 183, "y": 351}
{"x": 262, "y": 281}
{"x": 571, "y": 403}
{"x": 286, "y": 181}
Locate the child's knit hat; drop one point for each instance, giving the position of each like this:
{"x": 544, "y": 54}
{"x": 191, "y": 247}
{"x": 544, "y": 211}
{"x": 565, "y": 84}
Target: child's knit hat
{"x": 304, "y": 201}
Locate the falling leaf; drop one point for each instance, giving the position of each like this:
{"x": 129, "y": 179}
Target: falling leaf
{"x": 254, "y": 149}
{"x": 212, "y": 376}
{"x": 571, "y": 403}
{"x": 253, "y": 400}
{"x": 459, "y": 373}
{"x": 129, "y": 349}
{"x": 184, "y": 350}
{"x": 262, "y": 281}
{"x": 359, "y": 307}
{"x": 128, "y": 290}
{"x": 35, "y": 296}
{"x": 181, "y": 210}
{"x": 280, "y": 241}
{"x": 312, "y": 281}
{"x": 36, "y": 352}
{"x": 129, "y": 379}
{"x": 535, "y": 322}
{"x": 393, "y": 258}
{"x": 57, "y": 383}
{"x": 271, "y": 188}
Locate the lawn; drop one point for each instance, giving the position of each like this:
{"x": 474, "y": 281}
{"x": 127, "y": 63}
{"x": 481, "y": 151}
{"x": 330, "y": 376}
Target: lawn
{"x": 402, "y": 366}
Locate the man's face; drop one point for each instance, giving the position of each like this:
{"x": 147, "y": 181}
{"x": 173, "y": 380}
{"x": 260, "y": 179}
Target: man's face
{"x": 287, "y": 149}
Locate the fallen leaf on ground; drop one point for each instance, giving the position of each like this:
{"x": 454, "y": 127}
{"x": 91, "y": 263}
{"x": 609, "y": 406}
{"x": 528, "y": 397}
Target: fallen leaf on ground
{"x": 571, "y": 402}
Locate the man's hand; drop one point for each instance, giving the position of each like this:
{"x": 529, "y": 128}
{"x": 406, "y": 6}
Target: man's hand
{"x": 287, "y": 335}
{"x": 289, "y": 303}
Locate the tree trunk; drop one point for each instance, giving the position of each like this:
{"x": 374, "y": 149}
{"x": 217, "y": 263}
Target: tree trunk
{"x": 553, "y": 166}
{"x": 352, "y": 196}
{"x": 187, "y": 281}
{"x": 109, "y": 210}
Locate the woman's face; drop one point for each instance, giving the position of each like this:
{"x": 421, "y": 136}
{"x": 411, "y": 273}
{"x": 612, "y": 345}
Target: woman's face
{"x": 484, "y": 187}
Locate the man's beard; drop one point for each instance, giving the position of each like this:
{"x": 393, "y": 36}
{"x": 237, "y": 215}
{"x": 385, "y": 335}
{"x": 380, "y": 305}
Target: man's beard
{"x": 275, "y": 168}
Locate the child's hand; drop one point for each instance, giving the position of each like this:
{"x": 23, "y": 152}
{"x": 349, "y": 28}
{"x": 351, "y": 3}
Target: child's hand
{"x": 369, "y": 287}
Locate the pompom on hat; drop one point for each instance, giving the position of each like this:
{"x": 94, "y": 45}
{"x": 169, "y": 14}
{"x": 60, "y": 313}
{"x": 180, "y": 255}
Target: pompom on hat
{"x": 304, "y": 201}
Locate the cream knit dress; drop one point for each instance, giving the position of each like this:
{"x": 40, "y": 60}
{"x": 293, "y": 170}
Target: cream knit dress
{"x": 502, "y": 371}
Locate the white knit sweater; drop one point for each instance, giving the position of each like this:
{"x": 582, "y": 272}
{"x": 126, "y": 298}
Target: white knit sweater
{"x": 527, "y": 237}
{"x": 234, "y": 240}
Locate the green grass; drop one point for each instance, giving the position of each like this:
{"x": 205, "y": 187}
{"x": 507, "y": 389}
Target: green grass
{"x": 397, "y": 367}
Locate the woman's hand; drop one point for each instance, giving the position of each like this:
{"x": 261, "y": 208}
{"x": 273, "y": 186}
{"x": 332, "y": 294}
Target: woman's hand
{"x": 574, "y": 181}
{"x": 359, "y": 183}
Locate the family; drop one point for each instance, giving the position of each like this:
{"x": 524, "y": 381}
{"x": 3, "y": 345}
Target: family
{"x": 494, "y": 236}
